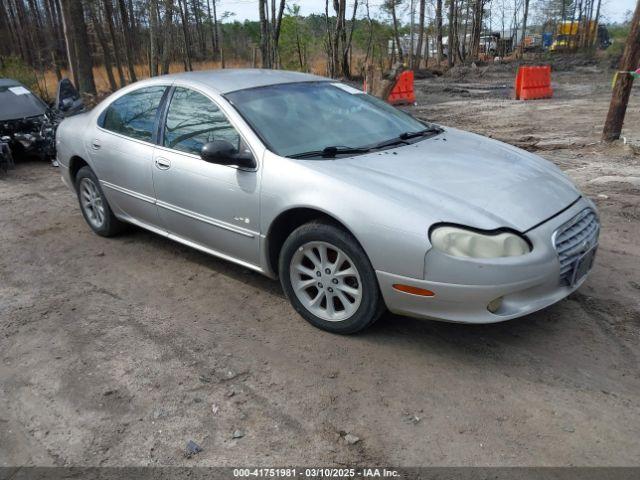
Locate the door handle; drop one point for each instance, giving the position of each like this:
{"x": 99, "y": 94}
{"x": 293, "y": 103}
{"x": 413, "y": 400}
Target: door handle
{"x": 163, "y": 163}
{"x": 96, "y": 145}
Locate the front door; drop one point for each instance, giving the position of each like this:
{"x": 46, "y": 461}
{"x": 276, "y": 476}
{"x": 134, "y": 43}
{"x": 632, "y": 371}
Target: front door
{"x": 210, "y": 205}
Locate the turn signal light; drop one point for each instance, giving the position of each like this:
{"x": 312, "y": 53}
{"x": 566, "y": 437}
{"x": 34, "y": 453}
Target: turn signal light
{"x": 423, "y": 292}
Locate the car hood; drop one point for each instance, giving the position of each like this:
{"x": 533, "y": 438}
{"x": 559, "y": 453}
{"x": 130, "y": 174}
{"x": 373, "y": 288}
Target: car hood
{"x": 18, "y": 102}
{"x": 463, "y": 178}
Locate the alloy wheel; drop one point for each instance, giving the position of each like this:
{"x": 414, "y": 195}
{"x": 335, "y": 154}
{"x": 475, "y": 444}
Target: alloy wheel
{"x": 326, "y": 281}
{"x": 91, "y": 202}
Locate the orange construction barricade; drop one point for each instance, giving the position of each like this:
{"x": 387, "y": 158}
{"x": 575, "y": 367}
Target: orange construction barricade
{"x": 403, "y": 92}
{"x": 533, "y": 83}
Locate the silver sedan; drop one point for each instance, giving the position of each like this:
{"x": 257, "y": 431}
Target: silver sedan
{"x": 353, "y": 204}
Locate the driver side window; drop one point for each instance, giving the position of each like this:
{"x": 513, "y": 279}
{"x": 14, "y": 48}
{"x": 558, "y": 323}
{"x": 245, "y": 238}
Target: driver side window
{"x": 193, "y": 120}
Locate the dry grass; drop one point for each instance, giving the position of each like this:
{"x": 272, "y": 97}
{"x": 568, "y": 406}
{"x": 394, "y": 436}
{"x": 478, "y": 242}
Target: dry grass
{"x": 142, "y": 71}
{"x": 49, "y": 83}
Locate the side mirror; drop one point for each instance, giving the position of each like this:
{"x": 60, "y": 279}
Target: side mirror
{"x": 224, "y": 153}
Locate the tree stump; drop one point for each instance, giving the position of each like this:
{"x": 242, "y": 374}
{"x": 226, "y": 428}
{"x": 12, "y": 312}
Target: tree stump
{"x": 380, "y": 85}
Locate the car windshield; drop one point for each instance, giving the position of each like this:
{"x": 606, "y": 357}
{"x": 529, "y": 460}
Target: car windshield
{"x": 302, "y": 118}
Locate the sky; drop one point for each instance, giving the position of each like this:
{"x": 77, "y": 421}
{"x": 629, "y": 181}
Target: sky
{"x": 613, "y": 10}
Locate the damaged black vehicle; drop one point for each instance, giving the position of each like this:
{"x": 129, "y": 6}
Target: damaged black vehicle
{"x": 28, "y": 125}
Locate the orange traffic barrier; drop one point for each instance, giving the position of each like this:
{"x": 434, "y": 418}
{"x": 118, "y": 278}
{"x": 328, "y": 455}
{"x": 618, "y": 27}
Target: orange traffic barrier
{"x": 533, "y": 83}
{"x": 403, "y": 92}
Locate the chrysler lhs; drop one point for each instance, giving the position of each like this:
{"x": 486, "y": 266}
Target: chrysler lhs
{"x": 356, "y": 206}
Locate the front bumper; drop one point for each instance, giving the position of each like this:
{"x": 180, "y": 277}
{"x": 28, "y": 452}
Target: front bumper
{"x": 464, "y": 287}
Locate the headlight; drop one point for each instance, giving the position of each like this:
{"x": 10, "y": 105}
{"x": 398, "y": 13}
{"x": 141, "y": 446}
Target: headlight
{"x": 468, "y": 243}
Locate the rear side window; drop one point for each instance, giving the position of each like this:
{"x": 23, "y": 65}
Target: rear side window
{"x": 134, "y": 114}
{"x": 193, "y": 120}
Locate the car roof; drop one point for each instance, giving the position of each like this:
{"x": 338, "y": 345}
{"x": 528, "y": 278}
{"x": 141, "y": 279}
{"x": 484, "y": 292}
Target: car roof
{"x": 230, "y": 80}
{"x": 7, "y": 82}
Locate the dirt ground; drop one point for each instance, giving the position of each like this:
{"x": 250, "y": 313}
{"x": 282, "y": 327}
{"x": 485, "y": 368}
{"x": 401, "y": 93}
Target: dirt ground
{"x": 119, "y": 351}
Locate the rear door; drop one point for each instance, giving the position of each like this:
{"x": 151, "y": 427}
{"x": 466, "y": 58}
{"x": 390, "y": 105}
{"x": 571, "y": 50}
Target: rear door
{"x": 122, "y": 147}
{"x": 213, "y": 206}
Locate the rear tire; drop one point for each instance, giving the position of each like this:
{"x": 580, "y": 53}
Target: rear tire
{"x": 329, "y": 280}
{"x": 94, "y": 206}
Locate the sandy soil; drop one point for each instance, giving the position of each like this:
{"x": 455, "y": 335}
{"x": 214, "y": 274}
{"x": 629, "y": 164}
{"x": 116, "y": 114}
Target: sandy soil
{"x": 119, "y": 351}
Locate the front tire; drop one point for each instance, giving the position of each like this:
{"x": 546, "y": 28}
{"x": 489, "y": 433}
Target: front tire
{"x": 329, "y": 280}
{"x": 94, "y": 206}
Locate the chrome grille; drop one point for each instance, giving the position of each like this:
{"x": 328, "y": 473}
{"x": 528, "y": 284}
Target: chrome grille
{"x": 573, "y": 238}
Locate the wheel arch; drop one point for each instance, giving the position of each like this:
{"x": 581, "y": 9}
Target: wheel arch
{"x": 75, "y": 164}
{"x": 287, "y": 221}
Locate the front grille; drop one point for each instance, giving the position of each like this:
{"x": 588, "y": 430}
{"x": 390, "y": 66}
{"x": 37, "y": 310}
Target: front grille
{"x": 573, "y": 238}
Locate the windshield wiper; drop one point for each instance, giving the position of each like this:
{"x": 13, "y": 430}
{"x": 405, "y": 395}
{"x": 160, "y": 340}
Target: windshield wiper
{"x": 420, "y": 133}
{"x": 403, "y": 137}
{"x": 330, "y": 152}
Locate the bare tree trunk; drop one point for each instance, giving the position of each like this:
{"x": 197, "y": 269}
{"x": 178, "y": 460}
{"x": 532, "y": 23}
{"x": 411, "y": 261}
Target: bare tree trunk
{"x": 596, "y": 20}
{"x": 421, "y": 14}
{"x": 86, "y": 82}
{"x": 524, "y": 24}
{"x": 128, "y": 45}
{"x": 370, "y": 38}
{"x": 108, "y": 13}
{"x": 134, "y": 24}
{"x": 276, "y": 22}
{"x": 575, "y": 38}
{"x": 439, "y": 30}
{"x": 53, "y": 34}
{"x": 340, "y": 8}
{"x": 221, "y": 42}
{"x": 6, "y": 31}
{"x": 133, "y": 18}
{"x": 452, "y": 33}
{"x": 585, "y": 34}
{"x": 54, "y": 7}
{"x": 18, "y": 20}
{"x": 264, "y": 34}
{"x": 466, "y": 29}
{"x": 37, "y": 33}
{"x": 27, "y": 32}
{"x": 456, "y": 24}
{"x": 167, "y": 28}
{"x": 199, "y": 33}
{"x": 380, "y": 85}
{"x": 426, "y": 50}
{"x": 592, "y": 33}
{"x": 153, "y": 38}
{"x": 73, "y": 12}
{"x": 69, "y": 44}
{"x": 212, "y": 28}
{"x": 104, "y": 45}
{"x": 185, "y": 35}
{"x": 346, "y": 47}
{"x": 301, "y": 55}
{"x": 215, "y": 21}
{"x": 624, "y": 82}
{"x": 396, "y": 35}
{"x": 331, "y": 58}
{"x": 476, "y": 31}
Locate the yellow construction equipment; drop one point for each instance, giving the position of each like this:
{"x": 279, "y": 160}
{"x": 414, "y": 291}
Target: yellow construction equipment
{"x": 569, "y": 33}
